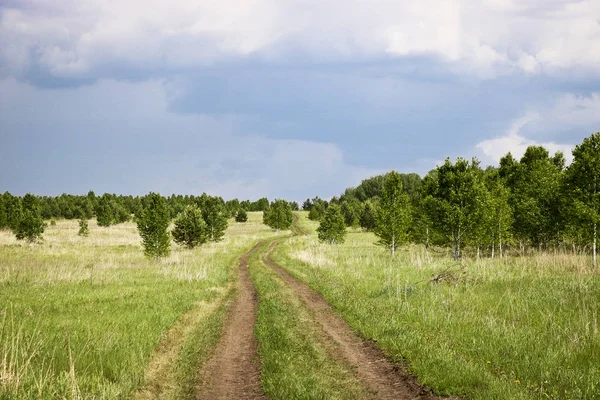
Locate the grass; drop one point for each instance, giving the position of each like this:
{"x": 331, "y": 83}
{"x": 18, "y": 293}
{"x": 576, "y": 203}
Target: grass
{"x": 296, "y": 364}
{"x": 518, "y": 328}
{"x": 85, "y": 317}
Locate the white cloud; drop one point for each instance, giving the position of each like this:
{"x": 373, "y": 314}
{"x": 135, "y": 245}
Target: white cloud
{"x": 77, "y": 38}
{"x": 494, "y": 149}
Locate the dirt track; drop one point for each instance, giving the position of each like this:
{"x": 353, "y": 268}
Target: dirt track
{"x": 233, "y": 372}
{"x": 383, "y": 379}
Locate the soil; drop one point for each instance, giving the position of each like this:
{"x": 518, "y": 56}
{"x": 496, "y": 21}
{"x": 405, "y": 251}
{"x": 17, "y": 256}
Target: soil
{"x": 234, "y": 370}
{"x": 383, "y": 379}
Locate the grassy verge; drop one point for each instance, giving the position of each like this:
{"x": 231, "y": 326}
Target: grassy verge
{"x": 295, "y": 362}
{"x": 518, "y": 328}
{"x": 83, "y": 317}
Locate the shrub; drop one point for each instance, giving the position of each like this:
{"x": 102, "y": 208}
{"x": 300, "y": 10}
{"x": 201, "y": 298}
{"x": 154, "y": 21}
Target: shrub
{"x": 241, "y": 216}
{"x": 84, "y": 230}
{"x": 153, "y": 225}
{"x": 190, "y": 229}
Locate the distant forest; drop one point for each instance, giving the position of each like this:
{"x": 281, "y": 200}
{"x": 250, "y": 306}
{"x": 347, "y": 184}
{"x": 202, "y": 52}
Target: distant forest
{"x": 536, "y": 202}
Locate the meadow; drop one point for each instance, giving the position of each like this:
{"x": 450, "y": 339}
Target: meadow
{"x": 93, "y": 318}
{"x": 511, "y": 328}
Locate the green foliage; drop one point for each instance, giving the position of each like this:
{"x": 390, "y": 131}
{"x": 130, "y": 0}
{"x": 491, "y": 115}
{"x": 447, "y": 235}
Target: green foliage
{"x": 52, "y": 222}
{"x": 393, "y": 215}
{"x": 351, "y": 210}
{"x": 3, "y": 214}
{"x": 120, "y": 213}
{"x": 241, "y": 216}
{"x": 534, "y": 184}
{"x": 232, "y": 207}
{"x": 190, "y": 229}
{"x": 455, "y": 202}
{"x": 279, "y": 216}
{"x": 215, "y": 216}
{"x": 31, "y": 225}
{"x": 332, "y": 228}
{"x": 104, "y": 211}
{"x": 84, "y": 229}
{"x": 152, "y": 226}
{"x": 14, "y": 210}
{"x": 583, "y": 188}
{"x": 368, "y": 216}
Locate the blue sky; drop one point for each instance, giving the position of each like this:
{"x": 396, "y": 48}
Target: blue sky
{"x": 284, "y": 99}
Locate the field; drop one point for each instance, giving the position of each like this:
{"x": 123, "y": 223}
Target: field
{"x": 93, "y": 318}
{"x": 83, "y": 317}
{"x": 518, "y": 328}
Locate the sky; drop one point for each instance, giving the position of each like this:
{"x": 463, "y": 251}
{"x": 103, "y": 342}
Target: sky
{"x": 285, "y": 99}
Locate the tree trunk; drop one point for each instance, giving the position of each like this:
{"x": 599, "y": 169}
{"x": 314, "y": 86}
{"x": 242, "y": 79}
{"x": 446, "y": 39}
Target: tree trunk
{"x": 478, "y": 252}
{"x": 594, "y": 247}
{"x": 493, "y": 248}
{"x": 393, "y": 245}
{"x": 427, "y": 237}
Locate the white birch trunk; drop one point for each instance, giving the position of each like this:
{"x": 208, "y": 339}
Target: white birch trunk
{"x": 594, "y": 247}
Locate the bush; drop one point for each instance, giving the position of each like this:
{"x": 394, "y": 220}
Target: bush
{"x": 279, "y": 215}
{"x": 241, "y": 216}
{"x": 190, "y": 229}
{"x": 153, "y": 224}
{"x": 30, "y": 225}
{"x": 333, "y": 227}
{"x": 84, "y": 230}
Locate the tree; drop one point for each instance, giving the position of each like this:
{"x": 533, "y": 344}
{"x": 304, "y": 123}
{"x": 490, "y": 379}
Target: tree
{"x": 120, "y": 213}
{"x": 307, "y": 205}
{"x": 14, "y": 210}
{"x": 84, "y": 230}
{"x": 215, "y": 216}
{"x": 332, "y": 228}
{"x": 104, "y": 211}
{"x": 317, "y": 210}
{"x": 241, "y": 216}
{"x": 393, "y": 214}
{"x": 351, "y": 210}
{"x": 152, "y": 226}
{"x": 190, "y": 229}
{"x": 279, "y": 215}
{"x": 368, "y": 216}
{"x": 31, "y": 225}
{"x": 583, "y": 184}
{"x": 3, "y": 215}
{"x": 534, "y": 185}
{"x": 498, "y": 215}
{"x": 454, "y": 202}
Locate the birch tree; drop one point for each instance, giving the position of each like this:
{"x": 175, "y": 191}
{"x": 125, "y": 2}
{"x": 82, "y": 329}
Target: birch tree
{"x": 583, "y": 184}
{"x": 455, "y": 202}
{"x": 393, "y": 214}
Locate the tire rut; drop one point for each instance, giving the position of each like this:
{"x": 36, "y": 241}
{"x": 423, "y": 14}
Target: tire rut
{"x": 383, "y": 379}
{"x": 233, "y": 372}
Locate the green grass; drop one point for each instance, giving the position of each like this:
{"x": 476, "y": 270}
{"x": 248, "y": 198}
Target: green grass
{"x": 518, "y": 328}
{"x": 82, "y": 317}
{"x": 296, "y": 364}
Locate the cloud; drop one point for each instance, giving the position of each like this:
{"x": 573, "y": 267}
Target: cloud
{"x": 92, "y": 39}
{"x": 120, "y": 137}
{"x": 494, "y": 149}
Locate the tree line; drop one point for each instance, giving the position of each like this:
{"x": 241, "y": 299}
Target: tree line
{"x": 537, "y": 202}
{"x": 110, "y": 208}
